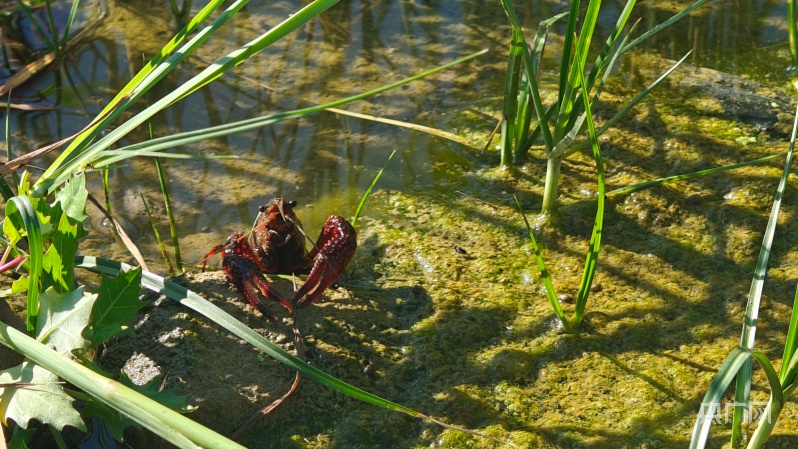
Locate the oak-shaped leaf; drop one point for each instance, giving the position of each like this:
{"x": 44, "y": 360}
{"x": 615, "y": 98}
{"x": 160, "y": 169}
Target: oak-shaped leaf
{"x": 62, "y": 318}
{"x": 28, "y": 391}
{"x": 73, "y": 198}
{"x": 118, "y": 300}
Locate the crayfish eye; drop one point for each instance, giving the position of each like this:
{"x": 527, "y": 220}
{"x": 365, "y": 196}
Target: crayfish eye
{"x": 262, "y": 209}
{"x": 292, "y": 203}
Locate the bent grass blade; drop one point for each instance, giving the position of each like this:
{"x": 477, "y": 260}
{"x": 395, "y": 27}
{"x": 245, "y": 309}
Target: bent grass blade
{"x": 738, "y": 362}
{"x": 151, "y": 147}
{"x": 20, "y": 208}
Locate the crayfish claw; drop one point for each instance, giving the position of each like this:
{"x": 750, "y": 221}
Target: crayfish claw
{"x": 336, "y": 247}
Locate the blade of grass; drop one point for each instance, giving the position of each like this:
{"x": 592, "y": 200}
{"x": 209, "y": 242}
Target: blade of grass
{"x": 151, "y": 146}
{"x": 20, "y": 208}
{"x": 655, "y": 182}
{"x": 511, "y": 83}
{"x": 595, "y": 239}
{"x": 29, "y": 15}
{"x": 787, "y": 376}
{"x": 172, "y": 223}
{"x": 568, "y": 151}
{"x": 368, "y": 191}
{"x": 663, "y": 25}
{"x": 157, "y": 234}
{"x": 576, "y": 69}
{"x": 167, "y": 206}
{"x": 532, "y": 67}
{"x": 58, "y": 173}
{"x": 73, "y": 12}
{"x": 544, "y": 273}
{"x": 771, "y": 412}
{"x": 743, "y": 387}
{"x": 730, "y": 368}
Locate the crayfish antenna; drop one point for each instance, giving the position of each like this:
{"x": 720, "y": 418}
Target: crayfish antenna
{"x": 211, "y": 253}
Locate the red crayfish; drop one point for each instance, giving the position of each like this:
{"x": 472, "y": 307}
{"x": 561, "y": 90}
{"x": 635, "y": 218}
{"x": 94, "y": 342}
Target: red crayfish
{"x": 276, "y": 245}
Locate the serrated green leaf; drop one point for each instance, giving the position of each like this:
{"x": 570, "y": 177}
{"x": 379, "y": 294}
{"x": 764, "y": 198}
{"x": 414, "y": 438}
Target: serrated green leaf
{"x": 62, "y": 318}
{"x": 58, "y": 260}
{"x": 152, "y": 390}
{"x": 45, "y": 401}
{"x": 117, "y": 422}
{"x": 117, "y": 302}
{"x": 73, "y": 198}
{"x": 20, "y": 285}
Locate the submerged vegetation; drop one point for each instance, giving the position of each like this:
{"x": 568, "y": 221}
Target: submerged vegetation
{"x": 446, "y": 309}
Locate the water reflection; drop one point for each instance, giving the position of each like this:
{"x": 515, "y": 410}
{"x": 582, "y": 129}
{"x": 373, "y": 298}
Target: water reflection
{"x": 326, "y": 161}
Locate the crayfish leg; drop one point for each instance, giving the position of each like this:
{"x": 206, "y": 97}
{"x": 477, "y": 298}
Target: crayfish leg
{"x": 211, "y": 253}
{"x": 245, "y": 275}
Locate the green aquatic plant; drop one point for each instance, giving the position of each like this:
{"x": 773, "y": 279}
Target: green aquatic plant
{"x": 738, "y": 365}
{"x": 593, "y": 247}
{"x": 792, "y": 33}
{"x": 561, "y": 123}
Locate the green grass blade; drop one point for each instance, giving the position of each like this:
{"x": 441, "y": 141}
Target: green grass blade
{"x": 625, "y": 108}
{"x": 53, "y": 29}
{"x": 197, "y": 303}
{"x": 776, "y": 402}
{"x": 576, "y": 69}
{"x": 368, "y": 191}
{"x": 157, "y": 234}
{"x": 531, "y": 65}
{"x": 731, "y": 367}
{"x": 567, "y": 51}
{"x": 73, "y": 12}
{"x": 595, "y": 238}
{"x": 755, "y": 293}
{"x": 786, "y": 376}
{"x": 544, "y": 273}
{"x": 663, "y": 25}
{"x": 601, "y": 65}
{"x": 511, "y": 84}
{"x": 172, "y": 223}
{"x": 29, "y": 15}
{"x": 792, "y": 32}
{"x": 21, "y": 207}
{"x": 748, "y": 337}
{"x": 655, "y": 182}
{"x": 711, "y": 403}
{"x": 191, "y": 137}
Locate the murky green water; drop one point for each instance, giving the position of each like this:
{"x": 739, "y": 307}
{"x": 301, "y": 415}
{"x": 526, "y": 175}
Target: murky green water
{"x": 468, "y": 338}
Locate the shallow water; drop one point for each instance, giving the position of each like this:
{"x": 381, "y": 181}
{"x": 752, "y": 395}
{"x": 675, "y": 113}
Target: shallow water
{"x": 469, "y": 338}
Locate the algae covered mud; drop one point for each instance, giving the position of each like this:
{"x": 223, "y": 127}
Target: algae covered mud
{"x": 442, "y": 309}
